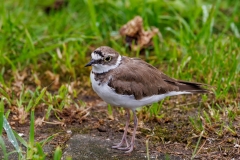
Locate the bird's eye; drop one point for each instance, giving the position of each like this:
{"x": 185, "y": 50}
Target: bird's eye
{"x": 107, "y": 59}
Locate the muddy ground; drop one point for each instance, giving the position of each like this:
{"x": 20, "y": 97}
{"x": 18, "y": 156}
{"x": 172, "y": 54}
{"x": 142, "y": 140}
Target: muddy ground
{"x": 171, "y": 134}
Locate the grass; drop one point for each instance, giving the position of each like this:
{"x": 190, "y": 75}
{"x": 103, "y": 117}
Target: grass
{"x": 43, "y": 53}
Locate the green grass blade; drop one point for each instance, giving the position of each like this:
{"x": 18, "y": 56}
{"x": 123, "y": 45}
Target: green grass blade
{"x": 31, "y": 136}
{"x": 40, "y": 153}
{"x": 48, "y": 113}
{"x": 93, "y": 18}
{"x": 31, "y": 105}
{"x": 5, "y": 95}
{"x": 40, "y": 96}
{"x": 57, "y": 154}
{"x": 3, "y": 147}
{"x": 110, "y": 112}
{"x": 11, "y": 135}
{"x": 43, "y": 142}
{"x": 29, "y": 38}
{"x": 196, "y": 147}
{"x": 20, "y": 139}
{"x": 30, "y": 147}
{"x": 1, "y": 116}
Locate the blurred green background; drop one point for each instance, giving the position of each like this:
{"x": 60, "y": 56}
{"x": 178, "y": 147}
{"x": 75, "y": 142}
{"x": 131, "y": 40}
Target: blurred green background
{"x": 200, "y": 38}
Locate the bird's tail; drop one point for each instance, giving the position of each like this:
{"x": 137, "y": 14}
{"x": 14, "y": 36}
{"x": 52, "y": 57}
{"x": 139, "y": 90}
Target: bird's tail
{"x": 192, "y": 87}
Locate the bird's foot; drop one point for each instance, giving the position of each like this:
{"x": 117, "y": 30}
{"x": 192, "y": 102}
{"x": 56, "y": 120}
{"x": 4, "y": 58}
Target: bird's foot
{"x": 121, "y": 144}
{"x": 127, "y": 149}
{"x": 118, "y": 145}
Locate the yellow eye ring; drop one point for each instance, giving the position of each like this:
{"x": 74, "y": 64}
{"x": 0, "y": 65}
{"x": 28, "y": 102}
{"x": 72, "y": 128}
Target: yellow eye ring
{"x": 107, "y": 59}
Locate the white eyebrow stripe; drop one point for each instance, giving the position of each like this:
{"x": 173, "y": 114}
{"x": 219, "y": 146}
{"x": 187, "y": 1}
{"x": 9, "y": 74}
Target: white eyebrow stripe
{"x": 95, "y": 56}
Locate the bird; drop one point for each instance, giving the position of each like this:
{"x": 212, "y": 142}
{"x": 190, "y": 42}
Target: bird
{"x": 131, "y": 83}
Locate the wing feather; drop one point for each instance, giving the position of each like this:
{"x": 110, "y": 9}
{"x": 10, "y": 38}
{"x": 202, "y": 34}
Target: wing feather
{"x": 140, "y": 79}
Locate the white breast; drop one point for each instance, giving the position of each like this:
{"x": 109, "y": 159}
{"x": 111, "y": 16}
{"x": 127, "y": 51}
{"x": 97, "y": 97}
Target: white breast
{"x": 127, "y": 101}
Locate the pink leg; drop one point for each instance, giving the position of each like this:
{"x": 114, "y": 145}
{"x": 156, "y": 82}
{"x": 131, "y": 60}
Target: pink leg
{"x": 124, "y": 137}
{"x": 129, "y": 148}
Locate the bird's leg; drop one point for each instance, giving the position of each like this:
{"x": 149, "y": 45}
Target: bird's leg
{"x": 130, "y": 147}
{"x": 124, "y": 137}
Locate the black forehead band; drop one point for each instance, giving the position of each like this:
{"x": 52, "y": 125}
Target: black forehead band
{"x": 99, "y": 53}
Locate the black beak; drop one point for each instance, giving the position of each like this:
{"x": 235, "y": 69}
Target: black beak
{"x": 90, "y": 63}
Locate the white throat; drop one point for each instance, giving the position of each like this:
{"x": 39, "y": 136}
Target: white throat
{"x": 99, "y": 68}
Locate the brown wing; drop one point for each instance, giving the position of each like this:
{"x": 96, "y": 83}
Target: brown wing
{"x": 138, "y": 78}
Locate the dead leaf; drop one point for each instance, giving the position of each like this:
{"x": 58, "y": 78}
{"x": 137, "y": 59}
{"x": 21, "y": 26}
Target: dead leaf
{"x": 56, "y": 6}
{"x": 22, "y": 115}
{"x": 39, "y": 121}
{"x": 54, "y": 122}
{"x": 135, "y": 36}
{"x": 53, "y": 77}
{"x": 19, "y": 78}
{"x": 71, "y": 86}
{"x": 73, "y": 114}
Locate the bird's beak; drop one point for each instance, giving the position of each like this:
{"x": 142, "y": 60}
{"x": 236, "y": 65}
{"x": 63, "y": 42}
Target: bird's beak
{"x": 89, "y": 63}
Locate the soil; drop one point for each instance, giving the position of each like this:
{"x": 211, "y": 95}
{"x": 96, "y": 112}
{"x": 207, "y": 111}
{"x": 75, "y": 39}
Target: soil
{"x": 170, "y": 134}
